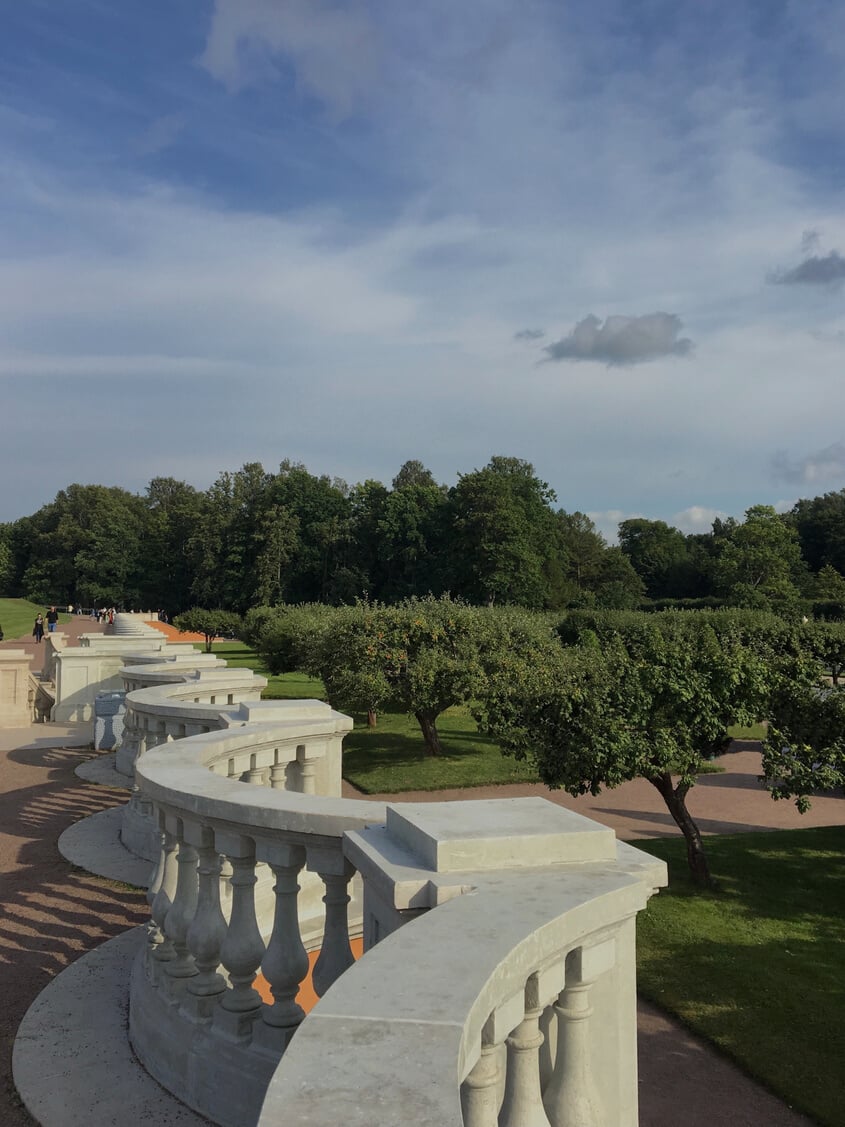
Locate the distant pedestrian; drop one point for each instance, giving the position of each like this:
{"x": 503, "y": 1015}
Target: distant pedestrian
{"x": 38, "y": 628}
{"x": 52, "y": 619}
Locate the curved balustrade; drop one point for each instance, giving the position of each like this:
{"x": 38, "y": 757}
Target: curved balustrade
{"x": 512, "y": 1007}
{"x": 196, "y": 1019}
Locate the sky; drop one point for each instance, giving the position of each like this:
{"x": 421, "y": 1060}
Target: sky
{"x": 605, "y": 236}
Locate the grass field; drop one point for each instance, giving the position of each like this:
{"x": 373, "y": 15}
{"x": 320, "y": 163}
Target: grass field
{"x": 758, "y": 967}
{"x": 18, "y": 615}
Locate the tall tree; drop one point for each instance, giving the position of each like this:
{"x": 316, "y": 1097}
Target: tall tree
{"x": 658, "y": 554}
{"x": 652, "y": 700}
{"x": 504, "y": 537}
{"x": 758, "y": 563}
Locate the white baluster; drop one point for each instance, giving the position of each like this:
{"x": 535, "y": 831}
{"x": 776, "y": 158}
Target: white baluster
{"x": 184, "y": 906}
{"x": 285, "y": 963}
{"x": 480, "y": 1092}
{"x": 243, "y": 946}
{"x": 523, "y": 1103}
{"x": 278, "y": 773}
{"x": 307, "y": 771}
{"x": 163, "y": 947}
{"x": 208, "y": 927}
{"x": 336, "y": 953}
{"x": 255, "y": 774}
{"x": 571, "y": 1099}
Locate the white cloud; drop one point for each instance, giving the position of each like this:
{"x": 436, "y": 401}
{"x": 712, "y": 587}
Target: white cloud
{"x": 697, "y": 518}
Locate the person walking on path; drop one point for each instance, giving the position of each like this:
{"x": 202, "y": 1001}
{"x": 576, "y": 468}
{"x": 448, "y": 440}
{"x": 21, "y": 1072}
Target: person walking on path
{"x": 38, "y": 628}
{"x": 52, "y": 619}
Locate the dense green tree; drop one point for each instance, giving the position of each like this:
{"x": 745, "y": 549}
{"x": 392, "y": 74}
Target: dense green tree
{"x": 758, "y": 563}
{"x": 647, "y": 702}
{"x": 820, "y": 524}
{"x": 172, "y": 519}
{"x": 411, "y": 539}
{"x": 505, "y": 544}
{"x": 804, "y": 750}
{"x": 84, "y": 547}
{"x": 829, "y": 585}
{"x": 583, "y": 549}
{"x": 658, "y": 554}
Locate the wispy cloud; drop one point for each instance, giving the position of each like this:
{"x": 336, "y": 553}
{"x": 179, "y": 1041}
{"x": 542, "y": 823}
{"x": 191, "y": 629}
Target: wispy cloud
{"x": 333, "y": 51}
{"x": 622, "y": 340}
{"x": 160, "y": 134}
{"x": 529, "y": 334}
{"x": 825, "y": 466}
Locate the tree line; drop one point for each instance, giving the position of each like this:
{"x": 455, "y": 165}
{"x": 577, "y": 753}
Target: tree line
{"x": 495, "y": 537}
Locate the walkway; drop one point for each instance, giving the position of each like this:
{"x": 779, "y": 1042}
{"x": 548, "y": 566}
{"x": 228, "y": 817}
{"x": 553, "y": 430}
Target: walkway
{"x": 54, "y": 913}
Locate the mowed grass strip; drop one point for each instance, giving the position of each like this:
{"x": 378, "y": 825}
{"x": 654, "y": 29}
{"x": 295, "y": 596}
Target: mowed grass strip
{"x": 758, "y": 967}
{"x": 391, "y": 757}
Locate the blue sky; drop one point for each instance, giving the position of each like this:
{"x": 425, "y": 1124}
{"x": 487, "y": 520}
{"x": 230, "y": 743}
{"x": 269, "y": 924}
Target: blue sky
{"x": 606, "y": 237}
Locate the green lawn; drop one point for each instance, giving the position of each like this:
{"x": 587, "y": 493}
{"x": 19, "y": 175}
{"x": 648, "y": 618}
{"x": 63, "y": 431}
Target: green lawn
{"x": 287, "y": 686}
{"x": 390, "y": 758}
{"x": 18, "y": 615}
{"x": 758, "y": 967}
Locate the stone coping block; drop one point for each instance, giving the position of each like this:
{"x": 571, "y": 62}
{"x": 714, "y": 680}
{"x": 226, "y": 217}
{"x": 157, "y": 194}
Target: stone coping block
{"x": 500, "y": 833}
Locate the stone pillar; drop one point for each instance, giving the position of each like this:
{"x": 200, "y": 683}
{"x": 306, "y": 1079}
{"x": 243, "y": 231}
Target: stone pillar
{"x": 14, "y": 689}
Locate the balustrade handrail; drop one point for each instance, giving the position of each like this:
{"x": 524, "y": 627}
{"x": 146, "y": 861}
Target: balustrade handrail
{"x": 404, "y": 1026}
{"x": 179, "y": 777}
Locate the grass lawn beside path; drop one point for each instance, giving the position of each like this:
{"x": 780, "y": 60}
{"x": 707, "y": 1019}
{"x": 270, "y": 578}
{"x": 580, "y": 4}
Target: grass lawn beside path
{"x": 18, "y": 615}
{"x": 390, "y": 758}
{"x": 758, "y": 967}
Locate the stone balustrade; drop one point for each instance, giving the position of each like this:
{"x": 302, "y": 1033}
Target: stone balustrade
{"x": 510, "y": 1004}
{"x": 196, "y": 1020}
{"x": 498, "y": 985}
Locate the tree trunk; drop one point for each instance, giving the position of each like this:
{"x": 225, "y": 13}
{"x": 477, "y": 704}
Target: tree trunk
{"x": 428, "y": 726}
{"x": 675, "y": 799}
{"x": 371, "y": 718}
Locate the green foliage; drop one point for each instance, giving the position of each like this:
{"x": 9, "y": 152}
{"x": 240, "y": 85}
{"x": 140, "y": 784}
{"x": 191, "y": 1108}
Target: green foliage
{"x": 658, "y": 554}
{"x": 212, "y": 623}
{"x": 757, "y": 967}
{"x": 804, "y": 750}
{"x": 630, "y": 696}
{"x": 505, "y": 537}
{"x": 759, "y": 563}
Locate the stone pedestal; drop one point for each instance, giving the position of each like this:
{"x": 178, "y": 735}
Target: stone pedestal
{"x": 14, "y": 689}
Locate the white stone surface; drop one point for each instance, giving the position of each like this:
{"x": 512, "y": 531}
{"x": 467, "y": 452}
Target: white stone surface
{"x": 14, "y": 688}
{"x": 72, "y": 1062}
{"x": 102, "y": 771}
{"x": 94, "y": 844}
{"x": 499, "y": 833}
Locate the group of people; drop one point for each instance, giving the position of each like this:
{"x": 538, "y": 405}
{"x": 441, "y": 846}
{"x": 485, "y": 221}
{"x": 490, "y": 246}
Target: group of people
{"x": 38, "y": 629}
{"x": 104, "y": 615}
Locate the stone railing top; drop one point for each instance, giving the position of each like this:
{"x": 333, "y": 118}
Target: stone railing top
{"x": 428, "y": 853}
{"x": 179, "y": 776}
{"x": 382, "y": 1017}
